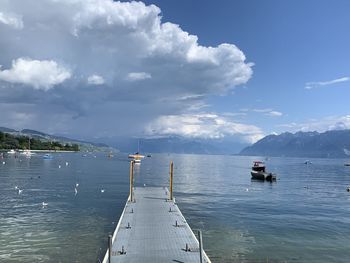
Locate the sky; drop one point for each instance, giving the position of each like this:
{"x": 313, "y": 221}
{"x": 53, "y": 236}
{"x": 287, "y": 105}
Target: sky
{"x": 200, "y": 69}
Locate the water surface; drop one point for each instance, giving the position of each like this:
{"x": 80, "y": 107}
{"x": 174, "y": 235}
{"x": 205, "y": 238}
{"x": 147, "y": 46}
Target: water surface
{"x": 303, "y": 217}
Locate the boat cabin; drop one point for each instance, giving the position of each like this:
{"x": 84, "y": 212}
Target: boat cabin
{"x": 258, "y": 166}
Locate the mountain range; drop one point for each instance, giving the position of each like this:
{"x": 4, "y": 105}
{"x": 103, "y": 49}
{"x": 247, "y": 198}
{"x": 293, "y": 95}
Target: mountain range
{"x": 329, "y": 144}
{"x": 176, "y": 144}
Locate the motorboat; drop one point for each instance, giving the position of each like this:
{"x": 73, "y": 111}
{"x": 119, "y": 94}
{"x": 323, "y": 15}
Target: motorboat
{"x": 47, "y": 156}
{"x": 11, "y": 152}
{"x": 259, "y": 172}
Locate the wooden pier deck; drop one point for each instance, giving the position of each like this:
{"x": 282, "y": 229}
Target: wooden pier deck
{"x": 153, "y": 229}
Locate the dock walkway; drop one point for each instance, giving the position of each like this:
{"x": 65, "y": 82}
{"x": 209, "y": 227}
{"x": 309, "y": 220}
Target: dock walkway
{"x": 153, "y": 229}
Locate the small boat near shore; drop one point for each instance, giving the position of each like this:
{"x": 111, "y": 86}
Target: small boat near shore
{"x": 259, "y": 172}
{"x": 27, "y": 153}
{"x": 47, "y": 156}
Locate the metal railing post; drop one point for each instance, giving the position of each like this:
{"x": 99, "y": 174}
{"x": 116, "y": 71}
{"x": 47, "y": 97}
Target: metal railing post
{"x": 109, "y": 248}
{"x": 200, "y": 246}
{"x": 171, "y": 179}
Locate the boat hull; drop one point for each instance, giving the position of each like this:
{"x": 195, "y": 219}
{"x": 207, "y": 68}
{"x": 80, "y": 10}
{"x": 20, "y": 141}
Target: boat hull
{"x": 263, "y": 176}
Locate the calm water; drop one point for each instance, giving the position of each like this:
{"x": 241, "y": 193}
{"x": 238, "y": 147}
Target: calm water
{"x": 303, "y": 217}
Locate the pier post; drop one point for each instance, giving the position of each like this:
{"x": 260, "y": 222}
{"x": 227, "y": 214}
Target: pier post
{"x": 171, "y": 180}
{"x": 131, "y": 180}
{"x": 109, "y": 248}
{"x": 200, "y": 246}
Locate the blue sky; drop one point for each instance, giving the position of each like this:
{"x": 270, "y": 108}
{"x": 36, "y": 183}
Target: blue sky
{"x": 290, "y": 43}
{"x": 199, "y": 69}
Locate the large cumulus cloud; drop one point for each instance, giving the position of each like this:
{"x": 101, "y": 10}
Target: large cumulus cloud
{"x": 102, "y": 67}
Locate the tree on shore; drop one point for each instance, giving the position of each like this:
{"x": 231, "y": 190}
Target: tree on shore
{"x": 9, "y": 141}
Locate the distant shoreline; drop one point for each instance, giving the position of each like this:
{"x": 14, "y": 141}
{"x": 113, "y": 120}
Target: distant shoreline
{"x": 43, "y": 151}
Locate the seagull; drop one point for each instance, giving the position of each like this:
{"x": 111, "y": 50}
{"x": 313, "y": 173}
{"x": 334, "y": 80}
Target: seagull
{"x": 44, "y": 204}
{"x": 16, "y": 187}
{"x": 3, "y": 162}
{"x": 247, "y": 190}
{"x": 76, "y": 191}
{"x": 67, "y": 163}
{"x": 20, "y": 191}
{"x": 102, "y": 190}
{"x": 59, "y": 166}
{"x": 76, "y": 185}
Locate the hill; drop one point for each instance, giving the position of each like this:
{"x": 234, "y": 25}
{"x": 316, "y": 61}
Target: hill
{"x": 9, "y": 141}
{"x": 329, "y": 144}
{"x": 43, "y": 139}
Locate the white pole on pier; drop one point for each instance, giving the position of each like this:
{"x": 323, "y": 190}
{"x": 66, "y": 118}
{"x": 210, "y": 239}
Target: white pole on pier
{"x": 131, "y": 181}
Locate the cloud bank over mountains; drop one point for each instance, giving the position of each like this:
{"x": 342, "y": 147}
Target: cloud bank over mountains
{"x": 103, "y": 68}
{"x": 323, "y": 124}
{"x": 203, "y": 125}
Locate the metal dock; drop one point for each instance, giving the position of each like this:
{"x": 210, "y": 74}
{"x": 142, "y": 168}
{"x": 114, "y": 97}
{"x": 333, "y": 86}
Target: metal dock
{"x": 153, "y": 229}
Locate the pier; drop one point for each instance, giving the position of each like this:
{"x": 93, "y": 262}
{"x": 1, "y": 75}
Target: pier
{"x": 153, "y": 229}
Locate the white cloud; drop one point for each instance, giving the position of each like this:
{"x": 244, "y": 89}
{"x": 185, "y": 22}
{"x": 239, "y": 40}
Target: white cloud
{"x": 135, "y": 76}
{"x": 275, "y": 113}
{"x": 41, "y": 74}
{"x": 12, "y": 20}
{"x": 202, "y": 125}
{"x": 320, "y": 125}
{"x": 128, "y": 44}
{"x": 95, "y": 80}
{"x": 311, "y": 85}
{"x": 234, "y": 114}
{"x": 267, "y": 112}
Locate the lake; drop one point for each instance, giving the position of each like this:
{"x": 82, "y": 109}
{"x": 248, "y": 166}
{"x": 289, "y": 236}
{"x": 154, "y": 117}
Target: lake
{"x": 303, "y": 217}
